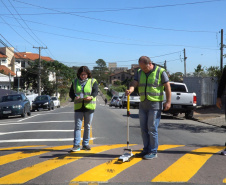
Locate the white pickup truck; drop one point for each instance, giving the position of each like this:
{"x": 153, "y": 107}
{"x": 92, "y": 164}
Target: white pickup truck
{"x": 181, "y": 100}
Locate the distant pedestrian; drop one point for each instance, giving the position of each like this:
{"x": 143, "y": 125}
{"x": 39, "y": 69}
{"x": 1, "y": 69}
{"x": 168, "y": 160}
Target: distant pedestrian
{"x": 106, "y": 101}
{"x": 84, "y": 90}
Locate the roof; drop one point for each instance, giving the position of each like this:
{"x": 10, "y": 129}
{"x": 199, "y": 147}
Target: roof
{"x": 31, "y": 56}
{"x": 7, "y": 70}
{"x": 2, "y": 56}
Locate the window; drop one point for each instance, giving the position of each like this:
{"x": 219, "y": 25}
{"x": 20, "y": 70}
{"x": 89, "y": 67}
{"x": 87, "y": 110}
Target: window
{"x": 3, "y": 61}
{"x": 22, "y": 63}
{"x": 17, "y": 69}
{"x": 18, "y": 61}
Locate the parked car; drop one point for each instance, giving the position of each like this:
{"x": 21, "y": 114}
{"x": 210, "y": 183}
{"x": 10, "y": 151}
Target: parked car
{"x": 182, "y": 101}
{"x": 56, "y": 101}
{"x": 134, "y": 100}
{"x": 113, "y": 101}
{"x": 42, "y": 102}
{"x": 16, "y": 104}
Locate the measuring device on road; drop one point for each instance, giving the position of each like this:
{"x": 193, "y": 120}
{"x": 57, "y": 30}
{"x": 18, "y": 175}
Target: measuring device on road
{"x": 127, "y": 151}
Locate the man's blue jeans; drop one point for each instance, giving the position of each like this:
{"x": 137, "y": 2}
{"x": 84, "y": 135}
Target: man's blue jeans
{"x": 149, "y": 122}
{"x": 88, "y": 117}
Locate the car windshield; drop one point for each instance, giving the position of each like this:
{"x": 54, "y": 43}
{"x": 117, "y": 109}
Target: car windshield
{"x": 54, "y": 98}
{"x": 11, "y": 98}
{"x": 177, "y": 88}
{"x": 40, "y": 98}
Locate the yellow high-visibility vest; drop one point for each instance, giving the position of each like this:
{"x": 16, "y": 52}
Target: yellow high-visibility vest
{"x": 151, "y": 87}
{"x": 87, "y": 91}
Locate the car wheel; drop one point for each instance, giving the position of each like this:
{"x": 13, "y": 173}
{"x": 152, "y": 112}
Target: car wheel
{"x": 175, "y": 114}
{"x": 189, "y": 114}
{"x": 23, "y": 114}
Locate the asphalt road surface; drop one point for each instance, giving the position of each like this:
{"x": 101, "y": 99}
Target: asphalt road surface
{"x": 34, "y": 150}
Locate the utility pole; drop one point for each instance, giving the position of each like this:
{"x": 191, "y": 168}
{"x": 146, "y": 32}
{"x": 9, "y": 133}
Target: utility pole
{"x": 165, "y": 65}
{"x": 221, "y": 55}
{"x": 185, "y": 62}
{"x": 9, "y": 81}
{"x": 39, "y": 69}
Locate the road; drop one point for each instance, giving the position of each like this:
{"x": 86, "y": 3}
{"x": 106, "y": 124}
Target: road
{"x": 34, "y": 150}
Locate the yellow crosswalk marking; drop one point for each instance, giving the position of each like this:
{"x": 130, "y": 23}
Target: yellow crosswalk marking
{"x": 110, "y": 169}
{"x": 187, "y": 166}
{"x": 36, "y": 170}
{"x": 22, "y": 155}
{"x": 19, "y": 147}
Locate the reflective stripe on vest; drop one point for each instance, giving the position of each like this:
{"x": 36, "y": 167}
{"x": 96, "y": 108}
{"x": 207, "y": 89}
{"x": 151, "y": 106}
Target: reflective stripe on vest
{"x": 87, "y": 91}
{"x": 151, "y": 87}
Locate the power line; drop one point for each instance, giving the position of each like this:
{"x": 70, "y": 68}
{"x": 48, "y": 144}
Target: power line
{"x": 16, "y": 31}
{"x": 121, "y": 43}
{"x": 132, "y": 8}
{"x": 114, "y": 22}
{"x": 19, "y": 22}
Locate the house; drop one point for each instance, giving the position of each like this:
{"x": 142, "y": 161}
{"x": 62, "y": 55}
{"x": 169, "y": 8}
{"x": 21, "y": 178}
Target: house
{"x": 121, "y": 76}
{"x": 16, "y": 61}
{"x": 6, "y": 77}
{"x": 22, "y": 60}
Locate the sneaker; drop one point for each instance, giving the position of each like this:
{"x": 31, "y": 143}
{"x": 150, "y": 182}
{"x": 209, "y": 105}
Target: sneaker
{"x": 141, "y": 154}
{"x": 75, "y": 148}
{"x": 150, "y": 156}
{"x": 86, "y": 147}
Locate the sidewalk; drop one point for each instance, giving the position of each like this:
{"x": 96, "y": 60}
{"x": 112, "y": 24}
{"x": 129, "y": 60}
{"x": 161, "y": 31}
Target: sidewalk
{"x": 210, "y": 115}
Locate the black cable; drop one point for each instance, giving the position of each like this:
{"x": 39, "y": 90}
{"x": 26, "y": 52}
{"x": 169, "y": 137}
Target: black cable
{"x": 114, "y": 22}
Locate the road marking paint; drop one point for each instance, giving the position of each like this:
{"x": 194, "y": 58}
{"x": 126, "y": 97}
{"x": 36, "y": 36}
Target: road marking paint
{"x": 110, "y": 169}
{"x": 22, "y": 155}
{"x": 38, "y": 140}
{"x": 26, "y": 174}
{"x": 28, "y": 117}
{"x": 19, "y": 123}
{"x": 187, "y": 166}
{"x": 29, "y": 131}
{"x": 224, "y": 181}
{"x": 18, "y": 147}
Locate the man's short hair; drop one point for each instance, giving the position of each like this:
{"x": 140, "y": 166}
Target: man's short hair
{"x": 145, "y": 59}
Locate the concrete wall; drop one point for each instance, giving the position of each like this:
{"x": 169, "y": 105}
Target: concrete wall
{"x": 205, "y": 89}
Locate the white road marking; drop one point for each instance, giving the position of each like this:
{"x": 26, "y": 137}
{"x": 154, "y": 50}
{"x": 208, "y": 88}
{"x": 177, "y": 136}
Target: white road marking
{"x": 19, "y": 123}
{"x": 28, "y": 117}
{"x": 25, "y": 131}
{"x": 37, "y": 140}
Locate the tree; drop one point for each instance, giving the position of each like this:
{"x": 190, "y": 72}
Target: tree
{"x": 199, "y": 71}
{"x": 64, "y": 76}
{"x": 100, "y": 72}
{"x": 176, "y": 77}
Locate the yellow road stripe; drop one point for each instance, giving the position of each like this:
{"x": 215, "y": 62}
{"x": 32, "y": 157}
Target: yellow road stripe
{"x": 224, "y": 181}
{"x": 36, "y": 170}
{"x": 18, "y": 147}
{"x": 22, "y": 155}
{"x": 187, "y": 166}
{"x": 110, "y": 169}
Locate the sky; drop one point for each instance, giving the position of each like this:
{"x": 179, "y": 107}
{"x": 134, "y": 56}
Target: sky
{"x": 79, "y": 32}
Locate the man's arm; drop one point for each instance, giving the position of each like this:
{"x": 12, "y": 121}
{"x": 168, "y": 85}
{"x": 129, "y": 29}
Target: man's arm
{"x": 133, "y": 85}
{"x": 167, "y": 104}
